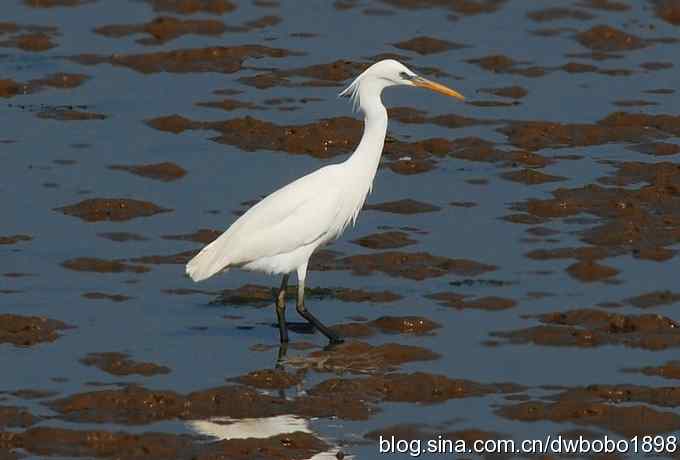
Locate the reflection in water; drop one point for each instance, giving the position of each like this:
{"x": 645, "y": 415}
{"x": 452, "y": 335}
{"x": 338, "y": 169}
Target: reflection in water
{"x": 229, "y": 428}
{"x": 224, "y": 428}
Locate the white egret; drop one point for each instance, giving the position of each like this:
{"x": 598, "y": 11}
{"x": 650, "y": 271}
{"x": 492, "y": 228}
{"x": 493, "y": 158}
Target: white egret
{"x": 279, "y": 234}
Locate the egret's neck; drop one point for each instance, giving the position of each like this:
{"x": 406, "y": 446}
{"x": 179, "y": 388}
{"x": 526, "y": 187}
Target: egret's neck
{"x": 366, "y": 158}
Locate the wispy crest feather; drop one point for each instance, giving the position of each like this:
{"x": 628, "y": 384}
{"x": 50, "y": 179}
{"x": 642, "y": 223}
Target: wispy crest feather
{"x": 352, "y": 91}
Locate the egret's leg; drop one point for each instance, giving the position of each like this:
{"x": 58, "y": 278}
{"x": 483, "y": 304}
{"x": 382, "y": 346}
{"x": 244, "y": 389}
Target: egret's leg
{"x": 281, "y": 309}
{"x": 302, "y": 310}
{"x": 281, "y": 357}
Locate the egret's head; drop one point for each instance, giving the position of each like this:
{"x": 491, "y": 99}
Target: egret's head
{"x": 388, "y": 73}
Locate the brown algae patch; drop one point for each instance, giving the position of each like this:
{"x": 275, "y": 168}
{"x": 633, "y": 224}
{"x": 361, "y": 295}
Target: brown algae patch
{"x": 270, "y": 379}
{"x": 642, "y": 222}
{"x": 14, "y": 239}
{"x": 203, "y": 235}
{"x": 493, "y": 103}
{"x": 354, "y": 330}
{"x": 498, "y": 63}
{"x": 606, "y": 406}
{"x": 418, "y": 387}
{"x": 404, "y": 325}
{"x": 213, "y": 59}
{"x": 218, "y": 7}
{"x": 463, "y": 204}
{"x": 355, "y": 398}
{"x": 530, "y": 177}
{"x": 668, "y": 10}
{"x": 61, "y": 80}
{"x": 61, "y": 442}
{"x": 56, "y": 3}
{"x": 92, "y": 264}
{"x": 604, "y": 5}
{"x": 330, "y": 74}
{"x": 654, "y": 299}
{"x": 592, "y": 328}
{"x": 385, "y": 240}
{"x": 10, "y": 88}
{"x": 26, "y": 331}
{"x": 512, "y": 92}
{"x": 166, "y": 28}
{"x": 105, "y": 296}
{"x": 411, "y": 265}
{"x": 406, "y": 206}
{"x": 121, "y": 237}
{"x": 31, "y": 38}
{"x": 464, "y": 7}
{"x": 657, "y": 148}
{"x": 163, "y": 29}
{"x": 459, "y": 302}
{"x": 229, "y": 105}
{"x": 120, "y": 364}
{"x": 165, "y": 171}
{"x": 69, "y": 114}
{"x": 414, "y": 116}
{"x": 180, "y": 258}
{"x": 16, "y": 417}
{"x": 262, "y": 296}
{"x": 501, "y": 64}
{"x": 669, "y": 370}
{"x": 413, "y": 325}
{"x": 428, "y": 45}
{"x": 606, "y": 38}
{"x": 624, "y": 420}
{"x": 634, "y": 103}
{"x": 361, "y": 358}
{"x": 616, "y": 127}
{"x": 323, "y": 139}
{"x": 256, "y": 24}
{"x": 656, "y": 65}
{"x": 112, "y": 209}
{"x": 623, "y": 393}
{"x": 589, "y": 270}
{"x": 135, "y": 405}
{"x": 30, "y": 394}
{"x": 557, "y": 13}
{"x": 36, "y": 42}
{"x": 328, "y": 138}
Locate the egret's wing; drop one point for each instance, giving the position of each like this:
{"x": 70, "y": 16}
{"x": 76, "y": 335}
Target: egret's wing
{"x": 283, "y": 202}
{"x": 294, "y": 215}
{"x": 308, "y": 222}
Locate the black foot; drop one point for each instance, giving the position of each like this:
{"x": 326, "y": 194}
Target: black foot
{"x": 318, "y": 325}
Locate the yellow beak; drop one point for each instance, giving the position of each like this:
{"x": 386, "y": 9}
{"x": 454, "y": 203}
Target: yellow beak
{"x": 437, "y": 88}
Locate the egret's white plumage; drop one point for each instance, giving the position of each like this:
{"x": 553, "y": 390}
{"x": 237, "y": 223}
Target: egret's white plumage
{"x": 279, "y": 234}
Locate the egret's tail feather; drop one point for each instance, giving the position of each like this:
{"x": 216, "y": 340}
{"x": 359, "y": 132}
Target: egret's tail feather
{"x": 205, "y": 264}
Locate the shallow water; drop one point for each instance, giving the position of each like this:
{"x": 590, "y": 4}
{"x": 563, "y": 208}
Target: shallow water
{"x": 191, "y": 336}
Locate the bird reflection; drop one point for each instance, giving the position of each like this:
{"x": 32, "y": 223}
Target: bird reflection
{"x": 224, "y": 428}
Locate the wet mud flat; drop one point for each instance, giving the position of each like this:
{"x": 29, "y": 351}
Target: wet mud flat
{"x": 513, "y": 275}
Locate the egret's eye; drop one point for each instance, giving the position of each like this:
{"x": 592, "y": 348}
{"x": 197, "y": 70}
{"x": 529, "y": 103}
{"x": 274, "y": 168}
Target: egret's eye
{"x": 406, "y": 76}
